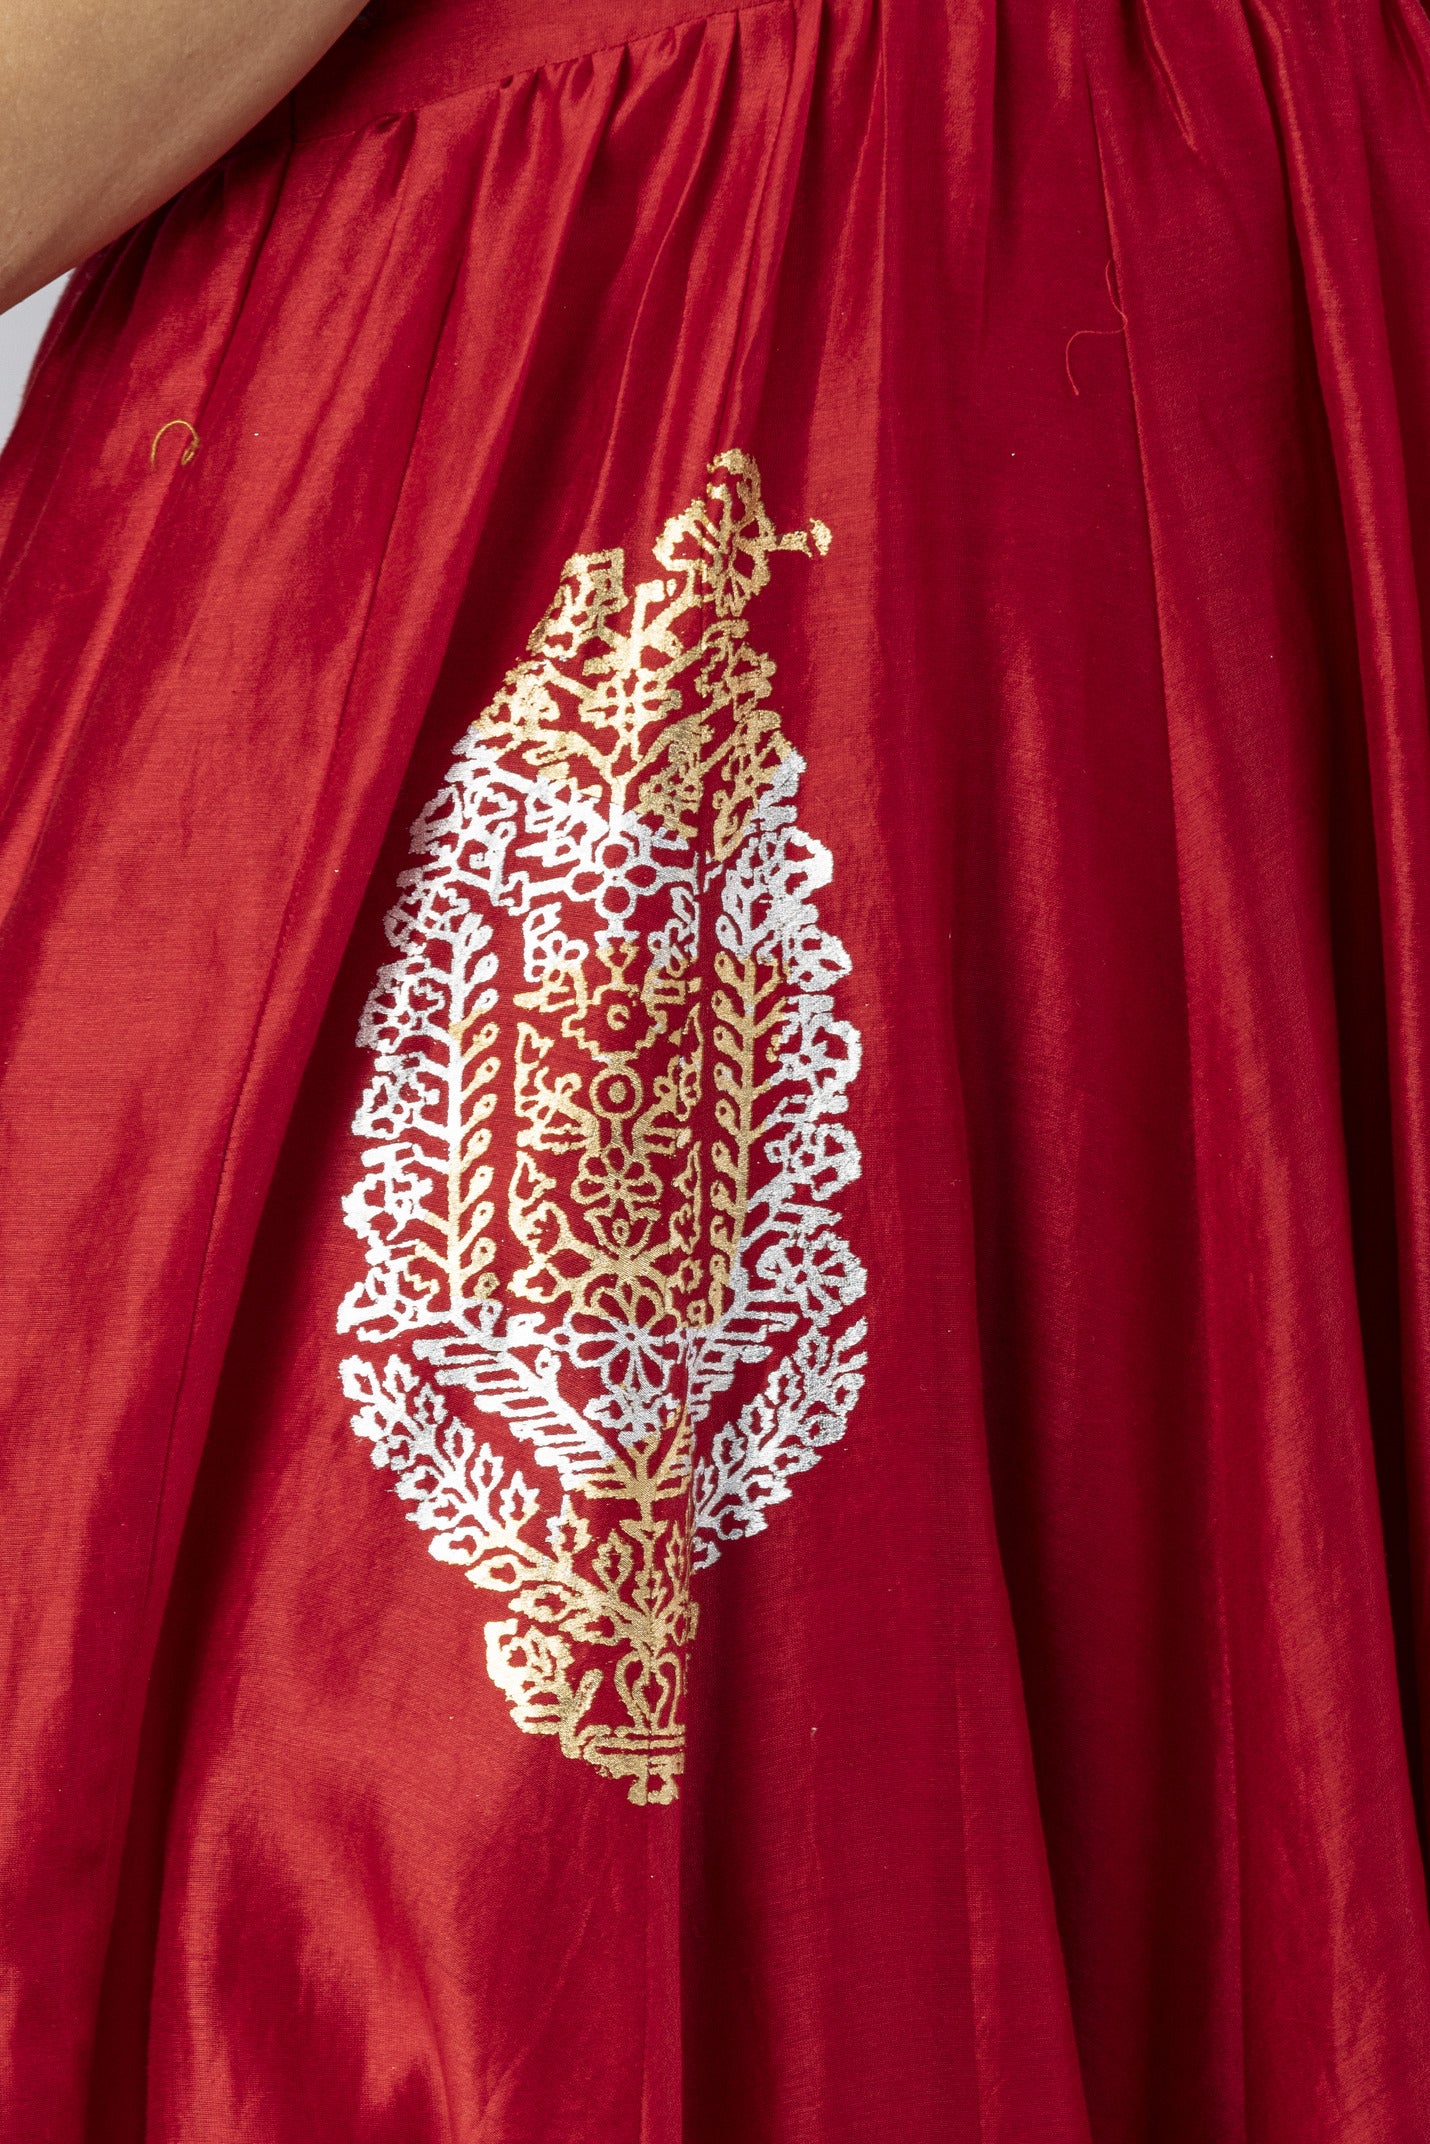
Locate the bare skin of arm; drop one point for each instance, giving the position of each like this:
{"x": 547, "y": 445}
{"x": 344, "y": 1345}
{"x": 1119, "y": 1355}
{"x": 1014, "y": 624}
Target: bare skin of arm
{"x": 107, "y": 107}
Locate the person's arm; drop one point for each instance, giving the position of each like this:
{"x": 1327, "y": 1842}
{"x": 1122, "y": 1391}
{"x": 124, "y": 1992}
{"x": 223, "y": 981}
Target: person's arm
{"x": 107, "y": 107}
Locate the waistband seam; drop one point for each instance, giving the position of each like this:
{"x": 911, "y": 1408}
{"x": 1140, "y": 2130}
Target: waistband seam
{"x": 483, "y": 83}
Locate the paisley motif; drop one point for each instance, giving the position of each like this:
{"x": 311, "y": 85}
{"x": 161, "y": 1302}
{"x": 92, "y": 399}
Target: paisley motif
{"x": 602, "y": 1142}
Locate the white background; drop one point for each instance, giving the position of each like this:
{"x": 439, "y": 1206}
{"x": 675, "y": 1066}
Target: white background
{"x": 20, "y": 332}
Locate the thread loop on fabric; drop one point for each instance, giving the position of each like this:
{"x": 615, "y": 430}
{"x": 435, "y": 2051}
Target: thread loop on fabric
{"x": 190, "y": 450}
{"x": 1067, "y": 352}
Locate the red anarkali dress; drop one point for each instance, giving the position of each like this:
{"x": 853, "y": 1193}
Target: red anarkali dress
{"x": 715, "y": 1203}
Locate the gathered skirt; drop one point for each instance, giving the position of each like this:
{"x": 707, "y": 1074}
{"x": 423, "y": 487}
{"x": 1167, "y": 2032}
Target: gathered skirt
{"x": 715, "y": 1079}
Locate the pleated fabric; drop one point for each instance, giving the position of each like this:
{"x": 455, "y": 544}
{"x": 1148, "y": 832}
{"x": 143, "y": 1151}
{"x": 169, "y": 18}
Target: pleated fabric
{"x": 1052, "y": 1748}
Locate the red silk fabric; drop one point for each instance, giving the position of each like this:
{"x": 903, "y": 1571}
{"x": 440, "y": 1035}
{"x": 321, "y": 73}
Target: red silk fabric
{"x": 1053, "y": 1764}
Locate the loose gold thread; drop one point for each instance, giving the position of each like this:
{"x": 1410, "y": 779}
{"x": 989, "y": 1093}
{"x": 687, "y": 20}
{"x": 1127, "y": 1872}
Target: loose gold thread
{"x": 190, "y": 450}
{"x": 1067, "y": 353}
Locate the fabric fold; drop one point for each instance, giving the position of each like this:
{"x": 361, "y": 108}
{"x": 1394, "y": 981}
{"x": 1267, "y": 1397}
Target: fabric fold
{"x": 1319, "y": 1784}
{"x": 1364, "y": 380}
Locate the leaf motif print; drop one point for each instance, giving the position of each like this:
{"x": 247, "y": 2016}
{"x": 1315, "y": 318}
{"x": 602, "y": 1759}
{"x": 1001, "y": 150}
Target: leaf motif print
{"x": 602, "y": 1143}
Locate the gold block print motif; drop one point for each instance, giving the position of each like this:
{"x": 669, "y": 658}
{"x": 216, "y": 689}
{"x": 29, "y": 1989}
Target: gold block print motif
{"x": 603, "y": 1139}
